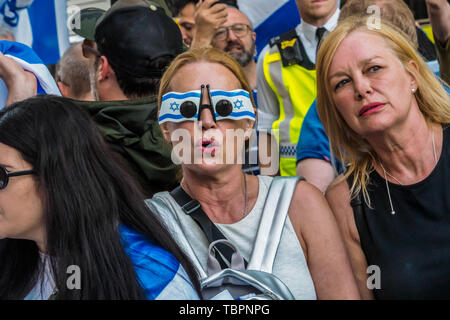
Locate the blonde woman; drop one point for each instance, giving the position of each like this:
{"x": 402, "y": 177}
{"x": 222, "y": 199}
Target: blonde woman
{"x": 311, "y": 258}
{"x": 387, "y": 117}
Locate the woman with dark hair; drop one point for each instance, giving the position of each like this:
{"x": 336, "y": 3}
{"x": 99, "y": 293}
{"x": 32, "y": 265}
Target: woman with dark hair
{"x": 68, "y": 209}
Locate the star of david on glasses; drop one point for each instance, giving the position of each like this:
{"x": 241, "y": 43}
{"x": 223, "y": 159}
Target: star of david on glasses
{"x": 232, "y": 105}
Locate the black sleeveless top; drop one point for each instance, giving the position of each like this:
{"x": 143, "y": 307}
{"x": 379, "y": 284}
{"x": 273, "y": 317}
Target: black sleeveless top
{"x": 412, "y": 247}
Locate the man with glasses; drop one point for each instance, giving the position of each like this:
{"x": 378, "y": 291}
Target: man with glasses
{"x": 236, "y": 37}
{"x": 221, "y": 24}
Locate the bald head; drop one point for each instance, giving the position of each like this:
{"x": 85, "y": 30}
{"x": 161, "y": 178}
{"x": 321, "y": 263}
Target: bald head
{"x": 6, "y": 34}
{"x": 72, "y": 74}
{"x": 239, "y": 46}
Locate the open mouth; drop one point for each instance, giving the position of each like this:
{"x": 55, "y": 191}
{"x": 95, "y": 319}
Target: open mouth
{"x": 208, "y": 146}
{"x": 234, "y": 47}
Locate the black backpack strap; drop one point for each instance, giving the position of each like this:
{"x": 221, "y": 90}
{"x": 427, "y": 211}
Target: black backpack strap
{"x": 292, "y": 50}
{"x": 192, "y": 208}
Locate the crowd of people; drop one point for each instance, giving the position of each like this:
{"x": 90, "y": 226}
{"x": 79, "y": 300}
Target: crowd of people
{"x": 171, "y": 141}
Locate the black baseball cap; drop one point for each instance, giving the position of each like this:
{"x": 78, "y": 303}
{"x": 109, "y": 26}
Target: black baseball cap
{"x": 131, "y": 34}
{"x": 84, "y": 22}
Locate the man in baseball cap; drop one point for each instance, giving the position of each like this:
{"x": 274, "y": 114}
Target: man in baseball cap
{"x": 90, "y": 17}
{"x": 129, "y": 47}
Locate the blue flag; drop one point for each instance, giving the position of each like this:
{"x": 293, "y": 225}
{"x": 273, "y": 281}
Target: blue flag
{"x": 40, "y": 24}
{"x": 28, "y": 60}
{"x": 270, "y": 18}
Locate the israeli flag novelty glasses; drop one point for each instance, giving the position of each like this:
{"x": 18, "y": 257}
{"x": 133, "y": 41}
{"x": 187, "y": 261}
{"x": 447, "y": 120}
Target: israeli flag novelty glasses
{"x": 4, "y": 176}
{"x": 232, "y": 105}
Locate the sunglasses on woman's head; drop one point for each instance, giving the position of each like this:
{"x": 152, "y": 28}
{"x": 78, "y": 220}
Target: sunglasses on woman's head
{"x": 5, "y": 174}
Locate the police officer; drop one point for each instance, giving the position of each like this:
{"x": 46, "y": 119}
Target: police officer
{"x": 286, "y": 78}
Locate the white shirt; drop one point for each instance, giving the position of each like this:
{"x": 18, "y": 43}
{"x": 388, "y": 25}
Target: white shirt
{"x": 46, "y": 279}
{"x": 307, "y": 34}
{"x": 289, "y": 263}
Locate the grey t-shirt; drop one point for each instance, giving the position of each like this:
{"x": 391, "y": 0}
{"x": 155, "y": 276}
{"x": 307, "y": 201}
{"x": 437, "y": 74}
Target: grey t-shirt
{"x": 289, "y": 266}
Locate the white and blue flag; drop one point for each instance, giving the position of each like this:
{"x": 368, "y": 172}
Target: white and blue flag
{"x": 160, "y": 275}
{"x": 242, "y": 107}
{"x": 172, "y": 103}
{"x": 270, "y": 18}
{"x": 40, "y": 24}
{"x": 29, "y": 61}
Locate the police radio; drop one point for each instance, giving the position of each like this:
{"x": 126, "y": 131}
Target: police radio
{"x": 289, "y": 46}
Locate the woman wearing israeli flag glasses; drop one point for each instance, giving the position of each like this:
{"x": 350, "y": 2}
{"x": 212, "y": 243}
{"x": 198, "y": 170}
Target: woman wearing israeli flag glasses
{"x": 204, "y": 95}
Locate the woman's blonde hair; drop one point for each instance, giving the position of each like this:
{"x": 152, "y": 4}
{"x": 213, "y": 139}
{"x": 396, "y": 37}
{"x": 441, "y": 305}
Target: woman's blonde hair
{"x": 348, "y": 146}
{"x": 211, "y": 55}
{"x": 207, "y": 54}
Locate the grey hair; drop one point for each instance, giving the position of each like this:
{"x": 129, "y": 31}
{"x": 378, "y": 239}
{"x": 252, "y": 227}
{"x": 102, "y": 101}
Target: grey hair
{"x": 5, "y": 32}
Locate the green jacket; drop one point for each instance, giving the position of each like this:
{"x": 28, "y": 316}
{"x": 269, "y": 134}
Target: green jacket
{"x": 131, "y": 128}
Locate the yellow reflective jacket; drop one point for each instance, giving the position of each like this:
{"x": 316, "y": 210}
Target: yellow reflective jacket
{"x": 295, "y": 89}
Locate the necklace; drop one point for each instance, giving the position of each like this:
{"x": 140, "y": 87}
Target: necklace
{"x": 396, "y": 180}
{"x": 387, "y": 187}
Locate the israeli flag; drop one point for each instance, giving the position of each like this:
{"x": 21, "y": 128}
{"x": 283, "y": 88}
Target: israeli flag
{"x": 172, "y": 103}
{"x": 40, "y": 24}
{"x": 29, "y": 61}
{"x": 240, "y": 101}
{"x": 160, "y": 275}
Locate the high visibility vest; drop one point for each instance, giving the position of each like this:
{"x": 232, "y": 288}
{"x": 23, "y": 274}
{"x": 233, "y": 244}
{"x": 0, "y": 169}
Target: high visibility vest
{"x": 295, "y": 89}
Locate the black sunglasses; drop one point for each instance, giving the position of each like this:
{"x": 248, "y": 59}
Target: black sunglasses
{"x": 88, "y": 49}
{"x": 188, "y": 109}
{"x": 4, "y": 175}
